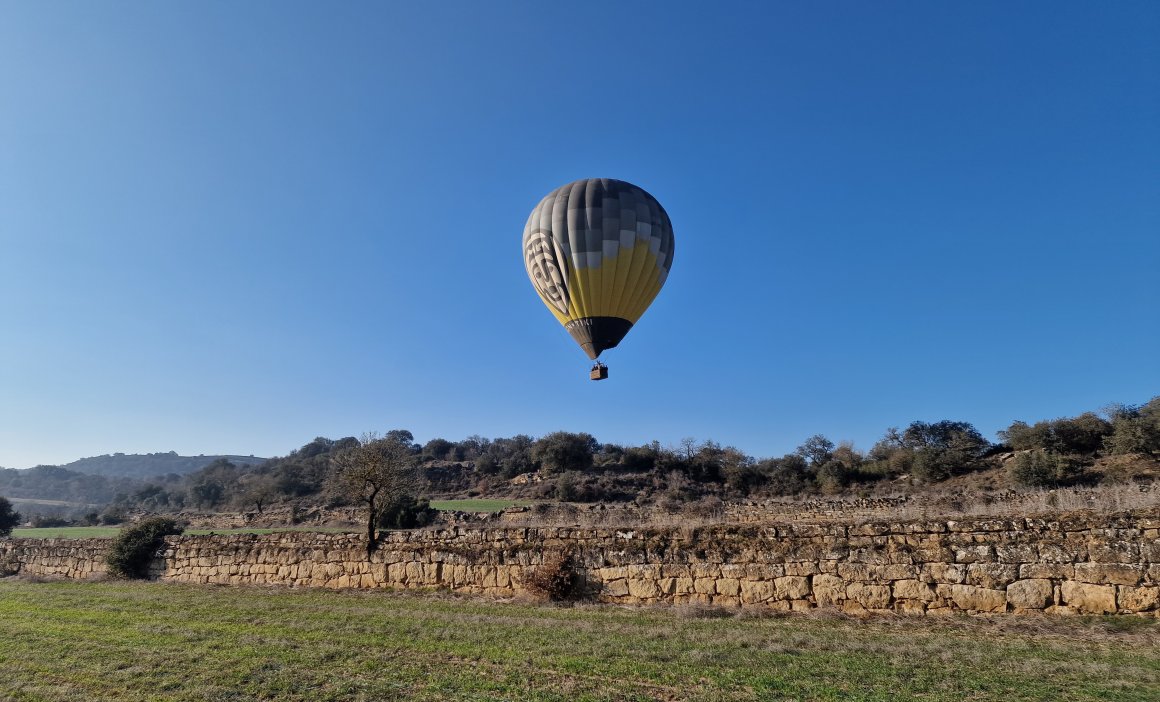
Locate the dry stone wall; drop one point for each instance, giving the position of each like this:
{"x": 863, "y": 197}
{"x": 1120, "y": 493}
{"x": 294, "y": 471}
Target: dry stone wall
{"x": 1077, "y": 563}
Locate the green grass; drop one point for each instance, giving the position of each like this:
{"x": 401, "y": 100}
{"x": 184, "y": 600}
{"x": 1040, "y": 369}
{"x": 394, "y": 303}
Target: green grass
{"x": 95, "y": 532}
{"x": 477, "y": 505}
{"x": 148, "y": 641}
{"x": 108, "y": 532}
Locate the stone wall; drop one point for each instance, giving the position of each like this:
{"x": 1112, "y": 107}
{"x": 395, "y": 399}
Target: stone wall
{"x": 1076, "y": 563}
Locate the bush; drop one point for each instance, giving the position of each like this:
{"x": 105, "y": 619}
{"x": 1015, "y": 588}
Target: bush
{"x": 832, "y": 476}
{"x": 9, "y": 518}
{"x": 42, "y": 521}
{"x": 406, "y": 512}
{"x": 134, "y": 548}
{"x": 556, "y": 578}
{"x": 1043, "y": 469}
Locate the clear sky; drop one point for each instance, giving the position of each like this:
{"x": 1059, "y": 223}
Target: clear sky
{"x": 232, "y": 227}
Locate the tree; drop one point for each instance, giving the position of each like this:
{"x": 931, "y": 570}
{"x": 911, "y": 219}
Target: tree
{"x": 1083, "y": 434}
{"x": 437, "y": 449}
{"x": 405, "y": 437}
{"x": 9, "y": 518}
{"x": 1135, "y": 429}
{"x": 943, "y": 449}
{"x": 563, "y": 451}
{"x": 817, "y": 450}
{"x": 375, "y": 472}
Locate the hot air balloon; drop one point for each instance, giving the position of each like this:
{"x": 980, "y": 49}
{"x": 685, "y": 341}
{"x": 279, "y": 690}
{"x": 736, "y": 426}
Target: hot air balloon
{"x": 598, "y": 251}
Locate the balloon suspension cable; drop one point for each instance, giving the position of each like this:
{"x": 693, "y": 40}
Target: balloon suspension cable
{"x": 599, "y": 371}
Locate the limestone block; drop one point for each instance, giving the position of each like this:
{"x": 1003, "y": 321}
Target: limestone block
{"x": 991, "y": 575}
{"x": 1138, "y": 599}
{"x": 644, "y": 572}
{"x": 828, "y": 589}
{"x": 943, "y": 572}
{"x": 913, "y": 590}
{"x": 974, "y": 553}
{"x": 893, "y": 571}
{"x": 972, "y": 598}
{"x": 764, "y": 571}
{"x": 706, "y": 586}
{"x": 1054, "y": 571}
{"x": 870, "y": 555}
{"x": 910, "y": 606}
{"x": 754, "y": 591}
{"x": 869, "y": 596}
{"x": 615, "y": 588}
{"x": 1150, "y": 546}
{"x": 729, "y": 587}
{"x": 1088, "y": 598}
{"x": 1109, "y": 573}
{"x": 1114, "y": 551}
{"x": 713, "y": 570}
{"x": 396, "y": 573}
{"x": 1016, "y": 552}
{"x": 1060, "y": 553}
{"x": 667, "y": 586}
{"x": 802, "y": 568}
{"x": 854, "y": 571}
{"x": 1032, "y": 593}
{"x": 612, "y": 573}
{"x": 643, "y": 589}
{"x": 684, "y": 586}
{"x": 792, "y": 587}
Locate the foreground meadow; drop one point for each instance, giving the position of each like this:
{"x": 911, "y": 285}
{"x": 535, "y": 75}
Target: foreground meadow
{"x": 151, "y": 641}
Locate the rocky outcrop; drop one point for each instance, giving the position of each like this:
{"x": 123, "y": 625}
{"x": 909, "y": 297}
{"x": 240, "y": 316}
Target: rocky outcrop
{"x": 1077, "y": 563}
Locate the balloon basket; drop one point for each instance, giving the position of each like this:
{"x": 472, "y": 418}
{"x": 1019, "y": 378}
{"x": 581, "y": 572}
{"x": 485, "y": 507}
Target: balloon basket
{"x": 598, "y": 372}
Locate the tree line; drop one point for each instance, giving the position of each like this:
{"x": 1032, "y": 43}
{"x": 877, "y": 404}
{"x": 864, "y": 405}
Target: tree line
{"x": 575, "y": 466}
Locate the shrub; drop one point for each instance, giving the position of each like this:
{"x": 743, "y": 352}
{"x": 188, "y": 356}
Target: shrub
{"x": 1043, "y": 469}
{"x": 134, "y": 548}
{"x": 556, "y": 578}
{"x": 832, "y": 476}
{"x": 1135, "y": 429}
{"x": 406, "y": 512}
{"x": 9, "y": 517}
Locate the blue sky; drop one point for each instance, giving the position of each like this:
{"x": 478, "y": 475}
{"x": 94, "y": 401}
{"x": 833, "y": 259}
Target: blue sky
{"x": 232, "y": 227}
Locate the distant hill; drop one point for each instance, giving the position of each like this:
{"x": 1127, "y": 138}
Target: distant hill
{"x": 150, "y": 465}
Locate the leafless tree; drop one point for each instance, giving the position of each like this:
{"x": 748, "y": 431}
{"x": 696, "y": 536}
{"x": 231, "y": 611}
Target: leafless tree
{"x": 373, "y": 473}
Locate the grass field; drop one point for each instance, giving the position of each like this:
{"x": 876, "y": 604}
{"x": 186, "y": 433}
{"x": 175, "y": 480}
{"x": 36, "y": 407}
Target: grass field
{"x": 477, "y": 505}
{"x": 107, "y": 532}
{"x": 149, "y": 641}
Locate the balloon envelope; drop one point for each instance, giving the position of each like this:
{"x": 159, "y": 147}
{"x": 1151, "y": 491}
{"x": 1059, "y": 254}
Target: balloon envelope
{"x": 598, "y": 251}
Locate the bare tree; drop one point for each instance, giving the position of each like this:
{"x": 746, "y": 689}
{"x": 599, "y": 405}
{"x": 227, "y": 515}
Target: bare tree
{"x": 373, "y": 473}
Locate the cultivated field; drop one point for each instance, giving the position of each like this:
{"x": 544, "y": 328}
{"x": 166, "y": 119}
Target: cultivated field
{"x": 150, "y": 641}
{"x": 477, "y": 505}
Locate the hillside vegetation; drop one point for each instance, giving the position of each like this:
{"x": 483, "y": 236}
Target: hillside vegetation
{"x": 1120, "y": 444}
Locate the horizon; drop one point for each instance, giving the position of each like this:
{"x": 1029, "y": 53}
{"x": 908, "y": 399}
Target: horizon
{"x": 215, "y": 236}
{"x": 671, "y": 446}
